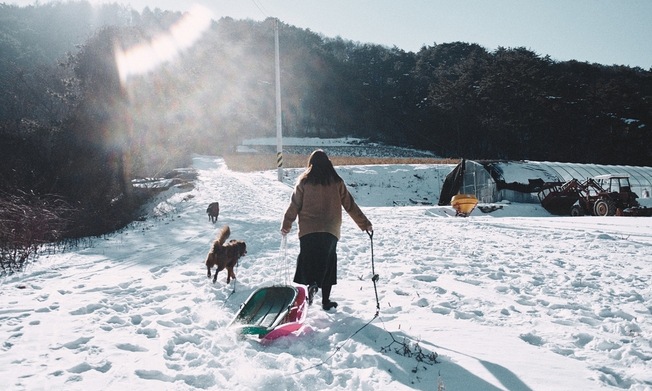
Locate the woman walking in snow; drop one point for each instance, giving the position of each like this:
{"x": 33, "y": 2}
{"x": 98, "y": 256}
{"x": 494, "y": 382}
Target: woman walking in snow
{"x": 318, "y": 199}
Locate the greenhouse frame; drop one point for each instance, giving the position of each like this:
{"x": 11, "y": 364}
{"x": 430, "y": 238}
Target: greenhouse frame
{"x": 520, "y": 181}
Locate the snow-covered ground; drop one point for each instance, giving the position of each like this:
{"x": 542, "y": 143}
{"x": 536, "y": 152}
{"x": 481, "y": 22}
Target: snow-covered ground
{"x": 514, "y": 299}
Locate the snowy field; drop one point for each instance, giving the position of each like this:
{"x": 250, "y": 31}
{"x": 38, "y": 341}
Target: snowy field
{"x": 514, "y": 299}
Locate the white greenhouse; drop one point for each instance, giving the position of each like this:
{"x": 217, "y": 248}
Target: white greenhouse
{"x": 520, "y": 181}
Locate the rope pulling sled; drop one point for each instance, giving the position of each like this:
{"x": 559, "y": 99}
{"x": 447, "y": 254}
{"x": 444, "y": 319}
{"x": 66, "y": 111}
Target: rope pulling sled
{"x": 276, "y": 311}
{"x": 279, "y": 310}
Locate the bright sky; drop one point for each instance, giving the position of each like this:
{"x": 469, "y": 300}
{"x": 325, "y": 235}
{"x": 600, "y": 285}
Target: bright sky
{"x": 602, "y": 31}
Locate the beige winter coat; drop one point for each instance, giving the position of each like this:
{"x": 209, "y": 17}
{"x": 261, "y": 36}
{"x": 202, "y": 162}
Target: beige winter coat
{"x": 319, "y": 208}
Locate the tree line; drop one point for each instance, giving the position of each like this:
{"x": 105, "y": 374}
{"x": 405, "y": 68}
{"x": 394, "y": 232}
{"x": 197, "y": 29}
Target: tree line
{"x": 73, "y": 130}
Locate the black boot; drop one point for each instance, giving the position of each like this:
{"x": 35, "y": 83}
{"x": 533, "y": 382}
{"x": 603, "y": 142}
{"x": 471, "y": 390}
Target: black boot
{"x": 326, "y": 303}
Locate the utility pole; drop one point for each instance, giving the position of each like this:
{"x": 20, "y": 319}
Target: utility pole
{"x": 279, "y": 117}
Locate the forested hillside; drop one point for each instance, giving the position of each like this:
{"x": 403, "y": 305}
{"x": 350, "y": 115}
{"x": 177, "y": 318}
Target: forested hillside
{"x": 74, "y": 133}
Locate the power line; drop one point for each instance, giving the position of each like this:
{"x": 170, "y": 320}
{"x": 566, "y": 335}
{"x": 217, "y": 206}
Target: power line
{"x": 261, "y": 8}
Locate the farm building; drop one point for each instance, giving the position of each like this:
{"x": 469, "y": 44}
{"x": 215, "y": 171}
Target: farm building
{"x": 520, "y": 181}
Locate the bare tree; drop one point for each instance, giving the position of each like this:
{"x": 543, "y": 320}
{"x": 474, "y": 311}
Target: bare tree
{"x": 28, "y": 222}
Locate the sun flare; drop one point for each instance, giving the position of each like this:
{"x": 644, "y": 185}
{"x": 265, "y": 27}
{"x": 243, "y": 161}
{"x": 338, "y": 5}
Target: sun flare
{"x": 145, "y": 57}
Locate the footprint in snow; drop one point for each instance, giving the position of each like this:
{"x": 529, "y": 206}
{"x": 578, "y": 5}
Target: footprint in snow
{"x": 158, "y": 269}
{"x": 88, "y": 309}
{"x": 154, "y": 375}
{"x": 441, "y": 310}
{"x": 392, "y": 310}
{"x": 532, "y": 339}
{"x": 80, "y": 368}
{"x": 426, "y": 278}
{"x": 582, "y": 339}
{"x": 468, "y": 315}
{"x": 148, "y": 332}
{"x": 73, "y": 345}
{"x": 422, "y": 302}
{"x": 401, "y": 292}
{"x": 131, "y": 347}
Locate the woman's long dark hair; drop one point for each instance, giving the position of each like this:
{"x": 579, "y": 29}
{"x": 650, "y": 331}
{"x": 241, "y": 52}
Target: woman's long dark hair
{"x": 320, "y": 169}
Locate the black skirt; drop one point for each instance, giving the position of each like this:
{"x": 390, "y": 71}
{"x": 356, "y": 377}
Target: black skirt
{"x": 317, "y": 260}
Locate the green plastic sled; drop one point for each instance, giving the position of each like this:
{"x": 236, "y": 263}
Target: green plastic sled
{"x": 272, "y": 312}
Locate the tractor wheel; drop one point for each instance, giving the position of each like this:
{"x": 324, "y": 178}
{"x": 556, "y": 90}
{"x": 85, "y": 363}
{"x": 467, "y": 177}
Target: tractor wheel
{"x": 577, "y": 210}
{"x": 604, "y": 207}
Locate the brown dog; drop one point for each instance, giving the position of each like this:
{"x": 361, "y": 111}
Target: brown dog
{"x": 213, "y": 211}
{"x": 225, "y": 255}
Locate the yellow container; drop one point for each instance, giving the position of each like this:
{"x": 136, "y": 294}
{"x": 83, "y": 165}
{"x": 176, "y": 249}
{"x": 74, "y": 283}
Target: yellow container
{"x": 464, "y": 204}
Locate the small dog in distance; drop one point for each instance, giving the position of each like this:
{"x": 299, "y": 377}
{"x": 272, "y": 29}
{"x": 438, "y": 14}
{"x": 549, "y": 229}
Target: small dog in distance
{"x": 213, "y": 211}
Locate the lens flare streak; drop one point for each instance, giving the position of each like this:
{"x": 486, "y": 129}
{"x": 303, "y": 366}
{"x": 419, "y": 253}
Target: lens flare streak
{"x": 145, "y": 57}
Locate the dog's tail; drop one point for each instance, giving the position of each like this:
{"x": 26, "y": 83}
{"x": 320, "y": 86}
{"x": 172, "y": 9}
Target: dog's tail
{"x": 222, "y": 236}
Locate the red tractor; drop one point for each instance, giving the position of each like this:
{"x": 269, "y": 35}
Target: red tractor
{"x": 613, "y": 194}
{"x": 604, "y": 195}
